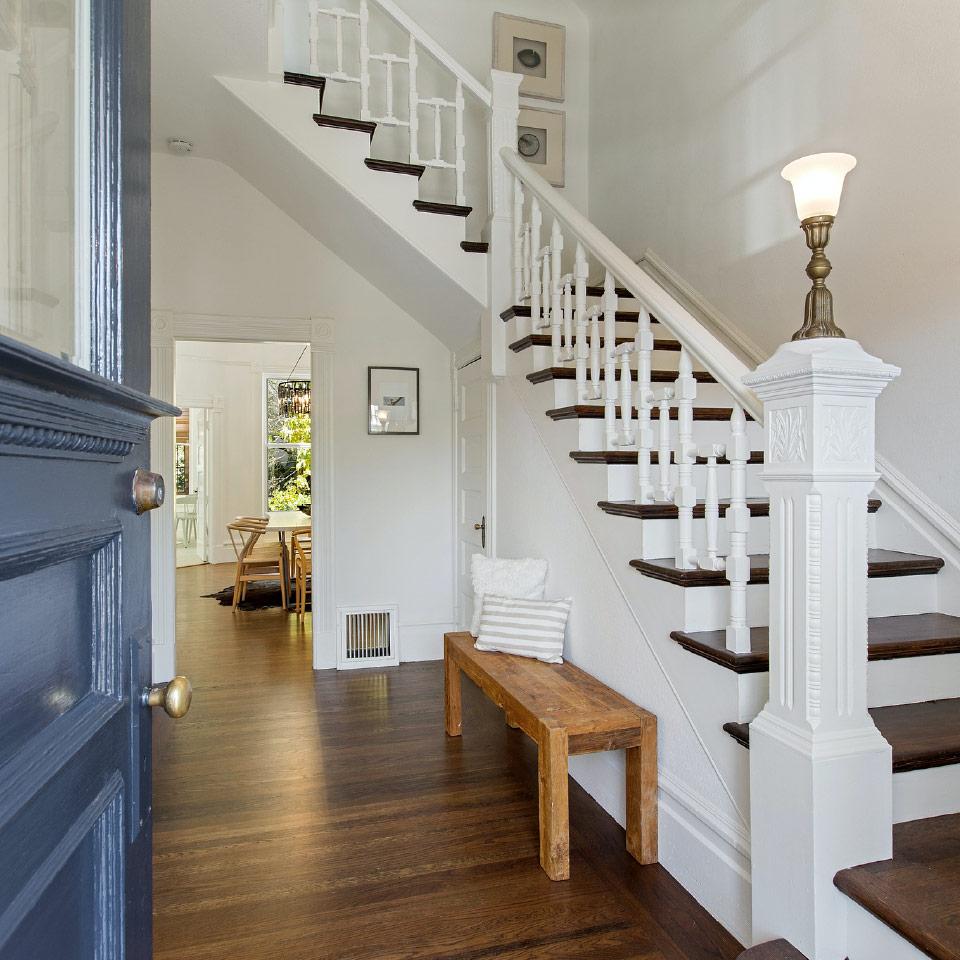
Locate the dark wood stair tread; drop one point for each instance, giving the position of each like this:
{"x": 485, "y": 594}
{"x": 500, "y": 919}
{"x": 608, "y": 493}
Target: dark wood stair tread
{"x": 447, "y": 209}
{"x": 589, "y": 411}
{"x": 523, "y": 310}
{"x": 915, "y": 892}
{"x": 888, "y": 638}
{"x": 545, "y": 340}
{"x": 345, "y": 123}
{"x": 594, "y": 290}
{"x": 881, "y": 563}
{"x": 630, "y": 457}
{"x": 758, "y": 507}
{"x": 304, "y": 79}
{"x": 395, "y": 166}
{"x": 474, "y": 246}
{"x": 922, "y": 735}
{"x": 773, "y": 950}
{"x": 656, "y": 376}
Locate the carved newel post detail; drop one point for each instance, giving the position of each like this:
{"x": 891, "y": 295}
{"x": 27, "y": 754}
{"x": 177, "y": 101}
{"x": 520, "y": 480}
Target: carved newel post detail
{"x": 820, "y": 772}
{"x": 504, "y": 110}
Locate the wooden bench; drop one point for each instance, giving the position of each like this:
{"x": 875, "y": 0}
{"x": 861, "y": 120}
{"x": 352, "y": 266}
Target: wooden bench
{"x": 564, "y": 711}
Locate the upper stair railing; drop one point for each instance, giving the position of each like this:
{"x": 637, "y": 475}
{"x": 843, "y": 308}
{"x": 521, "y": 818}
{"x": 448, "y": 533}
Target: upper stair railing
{"x": 354, "y": 65}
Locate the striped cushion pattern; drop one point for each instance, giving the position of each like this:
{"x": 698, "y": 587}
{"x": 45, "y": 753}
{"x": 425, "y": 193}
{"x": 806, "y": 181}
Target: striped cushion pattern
{"x": 525, "y": 628}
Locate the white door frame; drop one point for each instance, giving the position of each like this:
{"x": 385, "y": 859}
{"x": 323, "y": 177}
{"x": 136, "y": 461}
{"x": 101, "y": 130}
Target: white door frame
{"x": 213, "y": 408}
{"x": 169, "y": 326}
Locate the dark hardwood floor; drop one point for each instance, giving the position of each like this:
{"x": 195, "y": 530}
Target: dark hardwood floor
{"x": 312, "y": 816}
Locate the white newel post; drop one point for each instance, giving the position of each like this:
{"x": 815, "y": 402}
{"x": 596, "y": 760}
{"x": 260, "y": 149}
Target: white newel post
{"x": 505, "y": 107}
{"x": 820, "y": 774}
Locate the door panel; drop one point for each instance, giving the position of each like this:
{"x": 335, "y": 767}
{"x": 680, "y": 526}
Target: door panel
{"x": 75, "y": 830}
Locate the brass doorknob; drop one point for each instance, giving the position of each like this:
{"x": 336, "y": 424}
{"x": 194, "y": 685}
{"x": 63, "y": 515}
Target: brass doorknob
{"x": 174, "y": 696}
{"x": 149, "y": 491}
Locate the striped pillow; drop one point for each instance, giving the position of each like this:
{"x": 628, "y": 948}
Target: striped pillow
{"x": 526, "y": 628}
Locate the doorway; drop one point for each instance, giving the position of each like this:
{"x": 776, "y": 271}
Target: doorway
{"x": 192, "y": 463}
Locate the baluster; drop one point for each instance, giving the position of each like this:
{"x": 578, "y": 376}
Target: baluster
{"x": 527, "y": 289}
{"x": 413, "y": 98}
{"x": 518, "y": 233}
{"x": 594, "y": 316}
{"x": 314, "y": 37}
{"x": 738, "y": 526}
{"x": 388, "y": 63}
{"x": 566, "y": 354}
{"x": 437, "y": 133}
{"x": 645, "y": 400}
{"x": 609, "y": 314}
{"x": 626, "y": 394}
{"x": 546, "y": 287}
{"x": 581, "y": 271}
{"x": 582, "y": 351}
{"x": 536, "y": 221}
{"x": 685, "y": 494}
{"x": 556, "y": 290}
{"x": 339, "y": 20}
{"x": 664, "y": 487}
{"x": 460, "y": 145}
{"x": 610, "y": 401}
{"x": 365, "y": 67}
{"x": 711, "y": 508}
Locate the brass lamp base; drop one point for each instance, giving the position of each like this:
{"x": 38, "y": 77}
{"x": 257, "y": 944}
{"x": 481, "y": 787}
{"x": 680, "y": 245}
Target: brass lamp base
{"x": 818, "y": 310}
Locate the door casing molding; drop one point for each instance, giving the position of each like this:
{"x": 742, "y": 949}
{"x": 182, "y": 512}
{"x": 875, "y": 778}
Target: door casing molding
{"x": 169, "y": 326}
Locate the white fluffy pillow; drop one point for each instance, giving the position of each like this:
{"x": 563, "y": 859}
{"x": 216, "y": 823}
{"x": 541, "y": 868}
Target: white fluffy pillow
{"x": 517, "y": 579}
{"x": 524, "y": 628}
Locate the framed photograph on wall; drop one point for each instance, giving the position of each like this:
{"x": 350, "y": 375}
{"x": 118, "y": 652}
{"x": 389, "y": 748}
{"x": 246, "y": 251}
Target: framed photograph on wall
{"x": 393, "y": 400}
{"x": 540, "y": 135}
{"x": 534, "y": 49}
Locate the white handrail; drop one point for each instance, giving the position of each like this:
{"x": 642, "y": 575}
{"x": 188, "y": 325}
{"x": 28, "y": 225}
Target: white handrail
{"x": 728, "y": 369}
{"x": 434, "y": 48}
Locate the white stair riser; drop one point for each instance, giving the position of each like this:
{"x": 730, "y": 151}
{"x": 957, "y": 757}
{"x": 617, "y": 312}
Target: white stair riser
{"x": 592, "y": 437}
{"x": 622, "y": 480}
{"x": 918, "y": 794}
{"x": 541, "y": 357}
{"x": 658, "y": 538}
{"x": 707, "y": 608}
{"x": 521, "y": 326}
{"x": 869, "y": 938}
{"x": 889, "y": 682}
{"x": 708, "y": 394}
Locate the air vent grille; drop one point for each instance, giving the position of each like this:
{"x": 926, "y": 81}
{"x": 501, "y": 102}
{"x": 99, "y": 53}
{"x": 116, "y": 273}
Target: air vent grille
{"x": 367, "y": 637}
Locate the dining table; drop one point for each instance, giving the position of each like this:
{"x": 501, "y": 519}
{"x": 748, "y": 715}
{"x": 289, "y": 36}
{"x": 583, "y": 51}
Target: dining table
{"x": 283, "y": 522}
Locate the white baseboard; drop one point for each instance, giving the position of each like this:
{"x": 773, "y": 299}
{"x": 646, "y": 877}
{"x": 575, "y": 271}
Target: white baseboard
{"x": 706, "y": 852}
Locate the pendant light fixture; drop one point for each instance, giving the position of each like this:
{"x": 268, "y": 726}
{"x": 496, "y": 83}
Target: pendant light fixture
{"x": 293, "y": 396}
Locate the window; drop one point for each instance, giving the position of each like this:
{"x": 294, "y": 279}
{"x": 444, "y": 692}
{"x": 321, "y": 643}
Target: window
{"x": 287, "y": 452}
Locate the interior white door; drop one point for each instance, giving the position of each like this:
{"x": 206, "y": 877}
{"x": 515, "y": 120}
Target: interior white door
{"x": 474, "y": 525}
{"x": 199, "y": 449}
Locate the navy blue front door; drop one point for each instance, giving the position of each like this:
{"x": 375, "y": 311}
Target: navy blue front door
{"x": 75, "y": 748}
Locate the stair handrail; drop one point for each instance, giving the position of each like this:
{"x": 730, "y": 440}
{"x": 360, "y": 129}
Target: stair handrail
{"x": 719, "y": 360}
{"x": 435, "y": 50}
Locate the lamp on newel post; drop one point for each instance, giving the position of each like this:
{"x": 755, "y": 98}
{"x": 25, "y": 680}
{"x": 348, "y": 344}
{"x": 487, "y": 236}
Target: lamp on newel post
{"x": 817, "y": 183}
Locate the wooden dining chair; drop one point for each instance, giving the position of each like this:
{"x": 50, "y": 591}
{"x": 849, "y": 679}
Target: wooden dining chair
{"x": 256, "y": 561}
{"x": 302, "y": 549}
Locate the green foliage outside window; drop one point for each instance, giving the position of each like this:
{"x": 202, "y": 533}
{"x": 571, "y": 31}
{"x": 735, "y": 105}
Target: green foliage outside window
{"x": 288, "y": 456}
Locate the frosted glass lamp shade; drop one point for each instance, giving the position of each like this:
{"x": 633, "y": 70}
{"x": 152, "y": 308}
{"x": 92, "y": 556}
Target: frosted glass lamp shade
{"x": 817, "y": 182}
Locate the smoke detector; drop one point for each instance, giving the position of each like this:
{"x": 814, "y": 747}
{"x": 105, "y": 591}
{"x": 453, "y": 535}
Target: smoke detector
{"x": 180, "y": 147}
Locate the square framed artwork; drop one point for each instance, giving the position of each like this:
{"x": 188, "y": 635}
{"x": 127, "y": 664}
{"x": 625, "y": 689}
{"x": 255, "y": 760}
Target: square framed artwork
{"x": 534, "y": 49}
{"x": 393, "y": 401}
{"x": 540, "y": 141}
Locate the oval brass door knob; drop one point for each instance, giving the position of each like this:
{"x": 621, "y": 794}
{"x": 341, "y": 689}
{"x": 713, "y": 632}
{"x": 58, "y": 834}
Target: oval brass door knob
{"x": 174, "y": 696}
{"x": 149, "y": 491}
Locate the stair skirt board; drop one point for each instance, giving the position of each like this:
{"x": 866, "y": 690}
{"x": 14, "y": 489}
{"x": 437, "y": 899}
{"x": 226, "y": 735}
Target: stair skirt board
{"x": 367, "y": 636}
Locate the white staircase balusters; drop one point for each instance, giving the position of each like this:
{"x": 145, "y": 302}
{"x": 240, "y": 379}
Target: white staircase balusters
{"x": 609, "y": 302}
{"x": 738, "y": 526}
{"x": 685, "y": 495}
{"x": 556, "y": 289}
{"x": 566, "y": 354}
{"x": 546, "y": 286}
{"x": 581, "y": 271}
{"x": 625, "y": 437}
{"x": 711, "y": 509}
{"x": 593, "y": 315}
{"x": 527, "y": 288}
{"x": 610, "y": 400}
{"x": 313, "y": 37}
{"x": 413, "y": 101}
{"x": 582, "y": 350}
{"x": 365, "y": 65}
{"x": 460, "y": 144}
{"x": 536, "y": 222}
{"x": 644, "y": 350}
{"x": 519, "y": 288}
{"x": 664, "y": 486}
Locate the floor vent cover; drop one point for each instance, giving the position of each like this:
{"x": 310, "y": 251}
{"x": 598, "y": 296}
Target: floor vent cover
{"x": 367, "y": 637}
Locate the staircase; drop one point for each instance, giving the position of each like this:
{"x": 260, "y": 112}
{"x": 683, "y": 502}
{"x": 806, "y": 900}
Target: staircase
{"x": 645, "y": 417}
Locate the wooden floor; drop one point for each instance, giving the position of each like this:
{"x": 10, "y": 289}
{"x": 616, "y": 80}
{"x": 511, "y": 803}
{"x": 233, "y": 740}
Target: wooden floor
{"x": 310, "y": 816}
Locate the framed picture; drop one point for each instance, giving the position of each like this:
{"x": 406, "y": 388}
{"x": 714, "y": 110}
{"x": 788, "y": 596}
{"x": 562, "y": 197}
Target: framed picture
{"x": 540, "y": 135}
{"x": 393, "y": 400}
{"x": 532, "y": 48}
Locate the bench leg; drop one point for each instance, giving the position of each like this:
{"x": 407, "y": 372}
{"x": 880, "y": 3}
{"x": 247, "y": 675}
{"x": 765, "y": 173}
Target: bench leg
{"x": 452, "y": 707}
{"x": 554, "y": 811}
{"x": 642, "y": 796}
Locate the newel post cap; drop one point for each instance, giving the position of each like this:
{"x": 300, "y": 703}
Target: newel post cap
{"x": 832, "y": 365}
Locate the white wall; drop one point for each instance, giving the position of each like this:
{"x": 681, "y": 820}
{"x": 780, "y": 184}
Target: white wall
{"x": 220, "y": 247}
{"x": 699, "y": 104}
